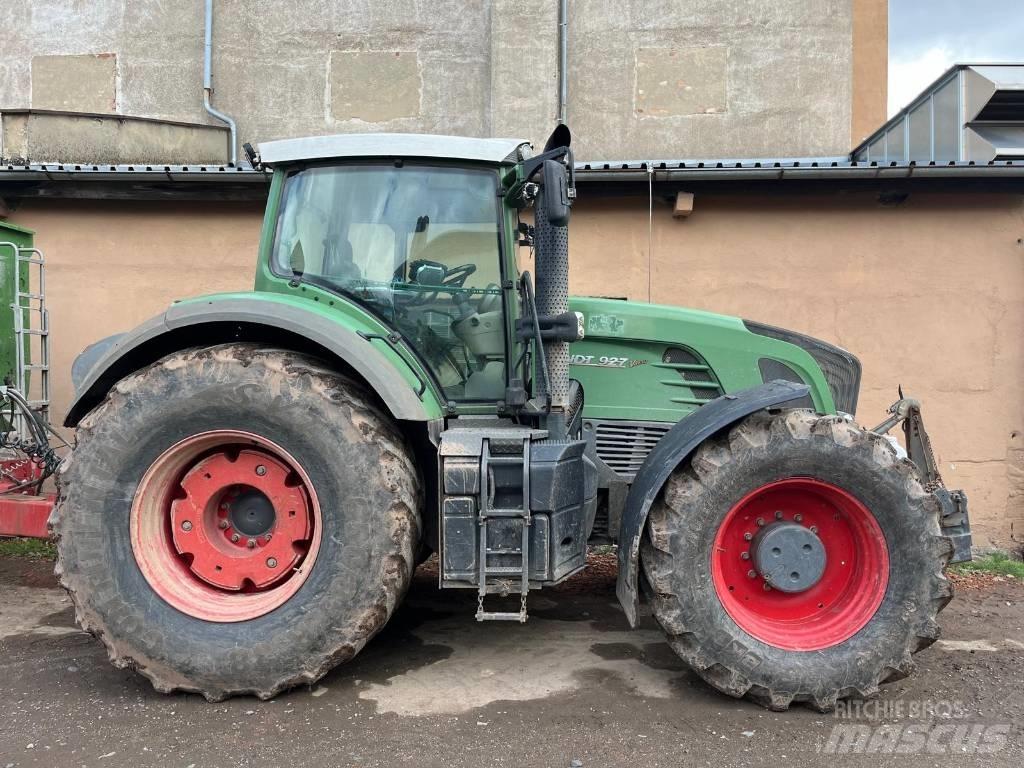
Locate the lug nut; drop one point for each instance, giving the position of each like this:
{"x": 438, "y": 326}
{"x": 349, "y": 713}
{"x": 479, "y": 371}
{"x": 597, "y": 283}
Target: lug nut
{"x": 798, "y": 518}
{"x": 814, "y": 529}
{"x": 251, "y": 543}
{"x": 778, "y": 515}
{"x": 223, "y": 524}
{"x": 235, "y": 537}
{"x": 261, "y": 470}
{"x": 748, "y": 536}
{"x": 760, "y": 522}
{"x": 744, "y": 555}
{"x": 271, "y": 562}
{"x": 187, "y": 525}
{"x": 766, "y": 587}
{"x": 752, "y": 573}
{"x": 267, "y": 537}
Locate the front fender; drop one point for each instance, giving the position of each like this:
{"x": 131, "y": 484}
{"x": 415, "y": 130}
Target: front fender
{"x": 154, "y": 339}
{"x": 677, "y": 444}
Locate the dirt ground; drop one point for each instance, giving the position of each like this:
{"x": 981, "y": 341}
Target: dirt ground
{"x": 573, "y": 687}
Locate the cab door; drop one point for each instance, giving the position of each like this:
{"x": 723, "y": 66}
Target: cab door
{"x": 419, "y": 246}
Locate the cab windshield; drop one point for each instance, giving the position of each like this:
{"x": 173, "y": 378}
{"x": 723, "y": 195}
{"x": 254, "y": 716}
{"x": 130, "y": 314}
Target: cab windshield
{"x": 419, "y": 246}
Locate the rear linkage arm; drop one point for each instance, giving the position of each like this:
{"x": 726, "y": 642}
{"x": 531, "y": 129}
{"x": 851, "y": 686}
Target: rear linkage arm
{"x": 955, "y": 522}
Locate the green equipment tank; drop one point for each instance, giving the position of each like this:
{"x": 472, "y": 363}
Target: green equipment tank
{"x": 14, "y": 276}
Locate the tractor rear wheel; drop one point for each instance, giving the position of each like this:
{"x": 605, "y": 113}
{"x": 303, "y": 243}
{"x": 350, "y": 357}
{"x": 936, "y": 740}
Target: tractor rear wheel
{"x": 236, "y": 520}
{"x": 796, "y": 559}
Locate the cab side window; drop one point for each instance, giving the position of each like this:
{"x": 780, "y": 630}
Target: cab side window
{"x": 419, "y": 246}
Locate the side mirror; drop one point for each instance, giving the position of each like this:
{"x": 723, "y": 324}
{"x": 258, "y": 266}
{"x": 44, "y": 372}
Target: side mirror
{"x": 556, "y": 193}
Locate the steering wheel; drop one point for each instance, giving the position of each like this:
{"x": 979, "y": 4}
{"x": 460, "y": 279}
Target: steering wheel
{"x": 435, "y": 284}
{"x": 457, "y": 276}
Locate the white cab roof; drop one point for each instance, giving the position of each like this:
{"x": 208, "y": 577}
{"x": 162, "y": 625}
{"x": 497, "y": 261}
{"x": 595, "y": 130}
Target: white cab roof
{"x": 390, "y": 145}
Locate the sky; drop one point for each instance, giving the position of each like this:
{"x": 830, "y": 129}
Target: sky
{"x": 927, "y": 36}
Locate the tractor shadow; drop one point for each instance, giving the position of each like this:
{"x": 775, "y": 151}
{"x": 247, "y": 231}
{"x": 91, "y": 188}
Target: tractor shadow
{"x": 576, "y": 638}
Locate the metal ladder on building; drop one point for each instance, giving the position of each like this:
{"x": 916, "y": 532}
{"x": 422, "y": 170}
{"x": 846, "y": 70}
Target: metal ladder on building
{"x": 31, "y": 320}
{"x": 498, "y": 579}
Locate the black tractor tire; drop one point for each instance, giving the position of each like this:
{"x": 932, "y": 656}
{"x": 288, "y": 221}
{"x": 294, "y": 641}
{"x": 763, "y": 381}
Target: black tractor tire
{"x": 363, "y": 474}
{"x": 676, "y": 554}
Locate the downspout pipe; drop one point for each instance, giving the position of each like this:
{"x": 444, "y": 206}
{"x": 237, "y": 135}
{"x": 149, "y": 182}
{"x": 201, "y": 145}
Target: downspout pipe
{"x": 563, "y": 61}
{"x": 208, "y": 83}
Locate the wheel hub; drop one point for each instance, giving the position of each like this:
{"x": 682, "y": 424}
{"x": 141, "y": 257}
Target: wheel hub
{"x": 240, "y": 520}
{"x": 194, "y": 539}
{"x": 250, "y": 512}
{"x": 800, "y": 564}
{"x": 789, "y": 557}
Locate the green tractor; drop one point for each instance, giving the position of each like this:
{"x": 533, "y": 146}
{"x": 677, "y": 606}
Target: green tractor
{"x": 257, "y": 474}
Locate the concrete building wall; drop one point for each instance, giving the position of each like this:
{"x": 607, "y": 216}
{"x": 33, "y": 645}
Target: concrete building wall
{"x": 31, "y": 136}
{"x": 929, "y": 294}
{"x": 647, "y": 79}
{"x": 716, "y": 78}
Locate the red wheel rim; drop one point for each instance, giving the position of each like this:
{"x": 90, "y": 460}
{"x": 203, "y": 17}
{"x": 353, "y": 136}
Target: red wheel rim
{"x": 851, "y": 585}
{"x": 225, "y": 526}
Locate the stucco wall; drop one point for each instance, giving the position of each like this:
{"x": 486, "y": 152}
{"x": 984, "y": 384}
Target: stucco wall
{"x": 111, "y": 265}
{"x": 671, "y": 78}
{"x": 929, "y": 294}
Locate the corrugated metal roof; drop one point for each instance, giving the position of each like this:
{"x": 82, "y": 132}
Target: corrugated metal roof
{"x": 804, "y": 168}
{"x": 80, "y": 172}
{"x": 598, "y": 171}
{"x": 767, "y": 168}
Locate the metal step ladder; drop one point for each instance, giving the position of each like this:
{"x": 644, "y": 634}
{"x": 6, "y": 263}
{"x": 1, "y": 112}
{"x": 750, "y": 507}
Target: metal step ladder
{"x": 31, "y": 320}
{"x": 500, "y": 579}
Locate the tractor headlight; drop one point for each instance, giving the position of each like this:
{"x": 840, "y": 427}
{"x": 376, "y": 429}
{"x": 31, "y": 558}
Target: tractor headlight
{"x": 840, "y": 368}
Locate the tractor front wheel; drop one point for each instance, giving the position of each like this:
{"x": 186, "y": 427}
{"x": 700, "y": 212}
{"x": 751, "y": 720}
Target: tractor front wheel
{"x": 796, "y": 559}
{"x": 236, "y": 520}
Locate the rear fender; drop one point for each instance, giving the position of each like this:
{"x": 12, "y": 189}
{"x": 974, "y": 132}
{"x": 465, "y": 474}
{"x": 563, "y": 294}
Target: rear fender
{"x": 182, "y": 326}
{"x": 677, "y": 444}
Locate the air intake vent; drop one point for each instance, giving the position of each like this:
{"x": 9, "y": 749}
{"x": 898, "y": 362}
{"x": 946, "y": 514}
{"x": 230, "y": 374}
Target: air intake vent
{"x": 624, "y": 445}
{"x": 695, "y": 378}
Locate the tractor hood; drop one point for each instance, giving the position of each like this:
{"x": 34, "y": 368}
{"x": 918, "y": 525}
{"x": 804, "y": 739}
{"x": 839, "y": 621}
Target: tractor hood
{"x": 649, "y": 362}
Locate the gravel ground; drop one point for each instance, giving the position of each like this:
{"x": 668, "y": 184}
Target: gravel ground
{"x": 438, "y": 689}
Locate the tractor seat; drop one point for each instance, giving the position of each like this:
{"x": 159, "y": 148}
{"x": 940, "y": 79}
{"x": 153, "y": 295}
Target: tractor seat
{"x": 338, "y": 261}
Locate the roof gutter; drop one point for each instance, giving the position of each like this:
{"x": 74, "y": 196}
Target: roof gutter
{"x": 208, "y": 84}
{"x": 640, "y": 172}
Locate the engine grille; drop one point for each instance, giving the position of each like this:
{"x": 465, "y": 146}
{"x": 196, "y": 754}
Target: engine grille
{"x": 624, "y": 445}
{"x": 840, "y": 369}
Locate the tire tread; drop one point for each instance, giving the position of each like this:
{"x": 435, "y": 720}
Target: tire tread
{"x": 669, "y": 519}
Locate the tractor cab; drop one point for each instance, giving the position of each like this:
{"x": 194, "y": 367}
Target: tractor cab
{"x": 418, "y": 236}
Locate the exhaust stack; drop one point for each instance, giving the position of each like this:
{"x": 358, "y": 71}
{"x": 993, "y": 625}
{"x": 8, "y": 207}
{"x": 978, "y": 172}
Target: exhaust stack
{"x": 552, "y": 265}
{"x": 551, "y": 239}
